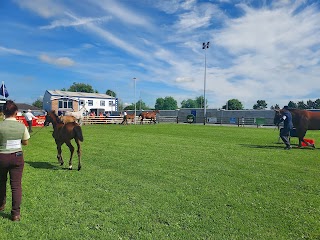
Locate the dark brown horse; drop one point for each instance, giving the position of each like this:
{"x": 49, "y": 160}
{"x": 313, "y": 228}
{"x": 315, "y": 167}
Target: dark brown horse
{"x": 302, "y": 120}
{"x": 149, "y": 115}
{"x": 64, "y": 133}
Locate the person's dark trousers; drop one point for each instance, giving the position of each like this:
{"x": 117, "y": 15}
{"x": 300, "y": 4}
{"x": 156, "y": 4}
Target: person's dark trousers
{"x": 284, "y": 134}
{"x": 13, "y": 164}
{"x": 30, "y": 125}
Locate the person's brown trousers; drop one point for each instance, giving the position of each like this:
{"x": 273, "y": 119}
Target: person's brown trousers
{"x": 12, "y": 163}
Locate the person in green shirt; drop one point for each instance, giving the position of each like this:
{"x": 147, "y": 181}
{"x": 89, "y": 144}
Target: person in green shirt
{"x": 13, "y": 134}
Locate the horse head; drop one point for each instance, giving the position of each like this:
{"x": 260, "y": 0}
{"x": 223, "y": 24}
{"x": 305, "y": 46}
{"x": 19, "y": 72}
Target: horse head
{"x": 51, "y": 117}
{"x": 48, "y": 119}
{"x": 277, "y": 117}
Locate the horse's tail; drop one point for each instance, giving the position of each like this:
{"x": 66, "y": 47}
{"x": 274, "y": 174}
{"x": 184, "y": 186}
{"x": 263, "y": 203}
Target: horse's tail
{"x": 78, "y": 132}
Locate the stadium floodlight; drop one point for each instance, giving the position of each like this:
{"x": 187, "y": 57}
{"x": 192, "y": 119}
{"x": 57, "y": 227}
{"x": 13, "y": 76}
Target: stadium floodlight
{"x": 135, "y": 104}
{"x": 205, "y": 46}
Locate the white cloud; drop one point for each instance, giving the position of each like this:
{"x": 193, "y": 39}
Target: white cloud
{"x": 62, "y": 61}
{"x": 199, "y": 16}
{"x": 184, "y": 79}
{"x": 13, "y": 51}
{"x": 120, "y": 11}
{"x": 74, "y": 23}
{"x": 44, "y": 8}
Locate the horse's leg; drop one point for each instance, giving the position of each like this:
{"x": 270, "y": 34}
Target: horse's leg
{"x": 59, "y": 150}
{"x": 79, "y": 153}
{"x": 71, "y": 148}
{"x": 301, "y": 133}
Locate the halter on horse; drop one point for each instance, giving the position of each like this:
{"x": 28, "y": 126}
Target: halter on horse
{"x": 64, "y": 133}
{"x": 78, "y": 115}
{"x": 302, "y": 120}
{"x": 149, "y": 115}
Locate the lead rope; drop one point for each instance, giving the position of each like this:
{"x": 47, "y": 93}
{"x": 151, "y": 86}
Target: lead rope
{"x": 31, "y": 135}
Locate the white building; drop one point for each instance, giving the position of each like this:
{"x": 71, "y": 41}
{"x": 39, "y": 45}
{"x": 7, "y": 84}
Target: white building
{"x": 61, "y": 101}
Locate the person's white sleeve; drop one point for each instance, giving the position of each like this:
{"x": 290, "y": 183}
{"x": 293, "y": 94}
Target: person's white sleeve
{"x": 26, "y": 134}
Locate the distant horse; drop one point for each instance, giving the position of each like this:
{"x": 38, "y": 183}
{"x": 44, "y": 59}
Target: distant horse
{"x": 302, "y": 120}
{"x": 129, "y": 116}
{"x": 78, "y": 115}
{"x": 149, "y": 115}
{"x": 66, "y": 119}
{"x": 64, "y": 133}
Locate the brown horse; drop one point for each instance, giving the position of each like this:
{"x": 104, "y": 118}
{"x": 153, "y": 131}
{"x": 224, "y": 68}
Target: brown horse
{"x": 66, "y": 119}
{"x": 64, "y": 133}
{"x": 149, "y": 115}
{"x": 302, "y": 120}
{"x": 129, "y": 116}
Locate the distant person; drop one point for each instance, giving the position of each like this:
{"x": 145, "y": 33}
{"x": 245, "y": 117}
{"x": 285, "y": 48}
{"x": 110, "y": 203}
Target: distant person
{"x": 29, "y": 116}
{"x": 13, "y": 134}
{"x": 124, "y": 118}
{"x": 287, "y": 127}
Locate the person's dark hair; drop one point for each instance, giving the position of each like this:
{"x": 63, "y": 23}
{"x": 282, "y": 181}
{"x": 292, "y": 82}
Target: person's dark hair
{"x": 9, "y": 108}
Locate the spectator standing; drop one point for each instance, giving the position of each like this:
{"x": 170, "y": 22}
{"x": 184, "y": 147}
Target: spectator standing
{"x": 29, "y": 116}
{"x": 13, "y": 135}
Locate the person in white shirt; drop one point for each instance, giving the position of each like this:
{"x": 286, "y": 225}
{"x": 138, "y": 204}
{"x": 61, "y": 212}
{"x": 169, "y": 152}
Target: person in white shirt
{"x": 124, "y": 118}
{"x": 29, "y": 116}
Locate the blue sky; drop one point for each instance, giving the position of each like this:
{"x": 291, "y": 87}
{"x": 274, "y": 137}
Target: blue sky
{"x": 259, "y": 50}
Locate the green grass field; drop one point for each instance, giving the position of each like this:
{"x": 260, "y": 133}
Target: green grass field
{"x": 169, "y": 181}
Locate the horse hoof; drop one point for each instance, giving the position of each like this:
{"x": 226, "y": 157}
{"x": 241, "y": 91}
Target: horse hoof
{"x": 61, "y": 164}
{"x": 79, "y": 168}
{"x": 70, "y": 168}
{"x": 313, "y": 146}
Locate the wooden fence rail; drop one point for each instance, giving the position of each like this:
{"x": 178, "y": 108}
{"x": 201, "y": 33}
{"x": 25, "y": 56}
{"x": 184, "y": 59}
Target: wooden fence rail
{"x": 87, "y": 120}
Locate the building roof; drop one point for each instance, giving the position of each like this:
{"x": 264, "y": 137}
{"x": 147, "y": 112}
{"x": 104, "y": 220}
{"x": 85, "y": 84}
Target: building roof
{"x": 78, "y": 94}
{"x": 24, "y": 107}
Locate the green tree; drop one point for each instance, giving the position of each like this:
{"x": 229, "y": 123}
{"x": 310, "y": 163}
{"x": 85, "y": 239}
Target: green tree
{"x": 317, "y": 103}
{"x": 311, "y": 104}
{"x": 292, "y": 104}
{"x": 261, "y": 104}
{"x": 38, "y": 103}
{"x": 200, "y": 102}
{"x": 81, "y": 87}
{"x": 190, "y": 103}
{"x": 111, "y": 93}
{"x": 275, "y": 107}
{"x": 302, "y": 105}
{"x": 233, "y": 104}
{"x": 139, "y": 105}
{"x": 168, "y": 103}
{"x": 159, "y": 104}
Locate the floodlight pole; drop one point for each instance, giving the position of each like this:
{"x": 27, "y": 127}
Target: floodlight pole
{"x": 135, "y": 107}
{"x": 205, "y": 46}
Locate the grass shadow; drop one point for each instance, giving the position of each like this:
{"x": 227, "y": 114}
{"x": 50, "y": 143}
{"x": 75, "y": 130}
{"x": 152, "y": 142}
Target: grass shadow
{"x": 294, "y": 146}
{"x": 5, "y": 215}
{"x": 261, "y": 146}
{"x": 42, "y": 165}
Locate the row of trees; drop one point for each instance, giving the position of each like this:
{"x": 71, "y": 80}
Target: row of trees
{"x": 169, "y": 103}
